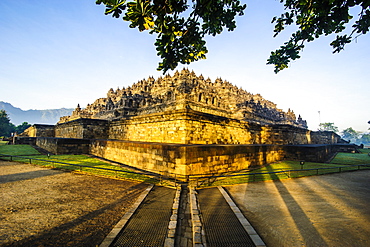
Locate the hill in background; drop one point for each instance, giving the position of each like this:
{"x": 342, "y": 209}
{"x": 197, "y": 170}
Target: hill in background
{"x": 18, "y": 116}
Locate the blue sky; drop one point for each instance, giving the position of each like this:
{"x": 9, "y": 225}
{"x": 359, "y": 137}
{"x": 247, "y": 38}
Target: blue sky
{"x": 62, "y": 53}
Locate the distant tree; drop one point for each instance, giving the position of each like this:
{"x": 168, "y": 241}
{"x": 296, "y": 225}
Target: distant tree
{"x": 328, "y": 127}
{"x": 6, "y": 127}
{"x": 181, "y": 30}
{"x": 22, "y": 127}
{"x": 350, "y": 134}
{"x": 365, "y": 139}
{"x": 355, "y": 136}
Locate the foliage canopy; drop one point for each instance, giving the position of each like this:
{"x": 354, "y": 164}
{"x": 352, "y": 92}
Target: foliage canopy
{"x": 180, "y": 39}
{"x": 355, "y": 136}
{"x": 181, "y": 30}
{"x": 6, "y": 127}
{"x": 328, "y": 127}
{"x": 315, "y": 18}
{"x": 350, "y": 134}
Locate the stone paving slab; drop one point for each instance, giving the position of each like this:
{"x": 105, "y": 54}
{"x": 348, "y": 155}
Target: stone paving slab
{"x": 184, "y": 232}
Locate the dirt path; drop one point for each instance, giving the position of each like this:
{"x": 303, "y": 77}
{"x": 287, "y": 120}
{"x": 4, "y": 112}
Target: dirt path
{"x": 45, "y": 207}
{"x": 328, "y": 210}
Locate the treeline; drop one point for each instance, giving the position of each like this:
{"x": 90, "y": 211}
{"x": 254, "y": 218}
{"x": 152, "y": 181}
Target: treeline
{"x": 356, "y": 137}
{"x": 348, "y": 134}
{"x": 7, "y": 128}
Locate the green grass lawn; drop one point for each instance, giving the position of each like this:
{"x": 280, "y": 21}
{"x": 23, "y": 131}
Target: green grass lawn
{"x": 3, "y": 143}
{"x": 281, "y": 169}
{"x": 90, "y": 165}
{"x": 276, "y": 171}
{"x": 18, "y": 150}
{"x": 352, "y": 159}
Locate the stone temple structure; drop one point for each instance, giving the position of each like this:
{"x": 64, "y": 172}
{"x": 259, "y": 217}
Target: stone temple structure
{"x": 185, "y": 125}
{"x": 186, "y": 90}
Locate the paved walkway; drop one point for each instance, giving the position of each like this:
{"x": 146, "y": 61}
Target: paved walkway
{"x": 329, "y": 210}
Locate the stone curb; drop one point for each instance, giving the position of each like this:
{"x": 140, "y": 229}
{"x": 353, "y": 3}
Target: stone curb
{"x": 118, "y": 227}
{"x": 245, "y": 223}
{"x": 172, "y": 225}
{"x": 199, "y": 239}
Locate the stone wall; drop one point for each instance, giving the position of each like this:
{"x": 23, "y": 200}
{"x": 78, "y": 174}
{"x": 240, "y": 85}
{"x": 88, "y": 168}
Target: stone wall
{"x": 37, "y": 130}
{"x": 205, "y": 128}
{"x": 182, "y": 127}
{"x": 326, "y": 137}
{"x": 216, "y": 159}
{"x": 187, "y": 142}
{"x": 83, "y": 128}
{"x": 193, "y": 127}
{"x": 189, "y": 160}
{"x": 64, "y": 145}
{"x": 166, "y": 127}
{"x": 26, "y": 140}
{"x": 155, "y": 157}
{"x": 289, "y": 135}
{"x": 186, "y": 126}
{"x": 185, "y": 160}
{"x": 316, "y": 153}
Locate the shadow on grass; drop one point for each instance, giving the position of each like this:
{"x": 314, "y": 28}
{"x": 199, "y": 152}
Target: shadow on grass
{"x": 77, "y": 163}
